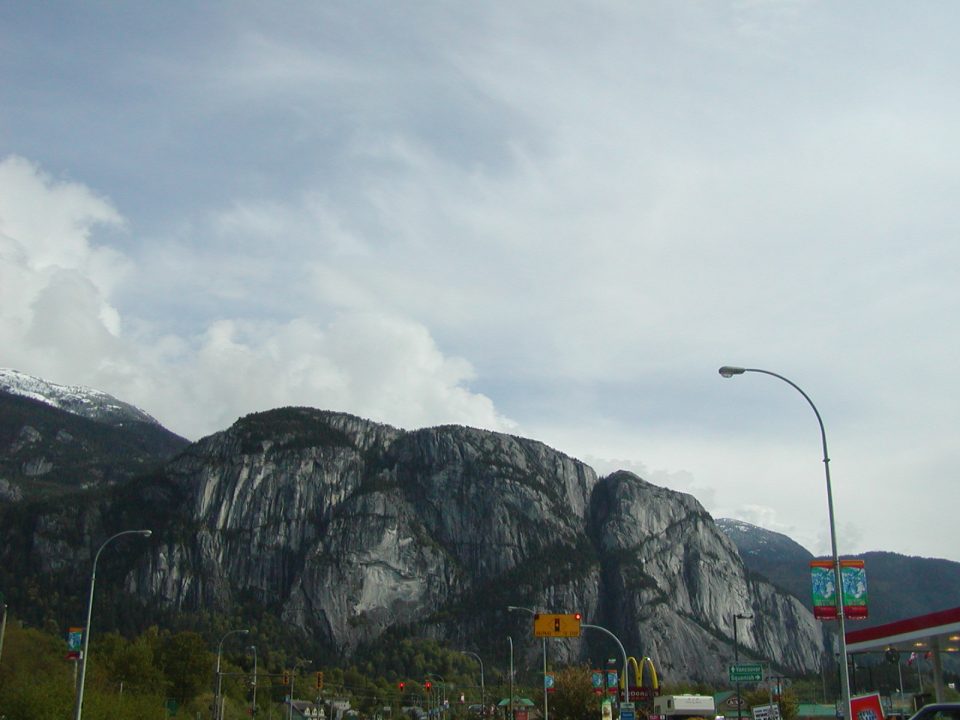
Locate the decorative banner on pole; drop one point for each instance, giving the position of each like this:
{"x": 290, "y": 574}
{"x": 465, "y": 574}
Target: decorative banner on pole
{"x": 612, "y": 685}
{"x": 74, "y": 641}
{"x": 596, "y": 680}
{"x": 854, "y": 577}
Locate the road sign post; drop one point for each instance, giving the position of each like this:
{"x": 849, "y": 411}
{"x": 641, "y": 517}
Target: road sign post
{"x": 746, "y": 672}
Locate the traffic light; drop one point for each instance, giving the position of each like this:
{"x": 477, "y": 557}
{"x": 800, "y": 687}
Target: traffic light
{"x": 320, "y": 680}
{"x": 400, "y": 685}
{"x": 285, "y": 679}
{"x": 427, "y": 685}
{"x": 556, "y": 625}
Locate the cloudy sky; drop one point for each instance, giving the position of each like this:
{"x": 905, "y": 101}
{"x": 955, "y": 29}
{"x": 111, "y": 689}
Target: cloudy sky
{"x": 555, "y": 219}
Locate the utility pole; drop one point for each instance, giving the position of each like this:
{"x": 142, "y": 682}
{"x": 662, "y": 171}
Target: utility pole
{"x": 736, "y": 654}
{"x": 3, "y": 623}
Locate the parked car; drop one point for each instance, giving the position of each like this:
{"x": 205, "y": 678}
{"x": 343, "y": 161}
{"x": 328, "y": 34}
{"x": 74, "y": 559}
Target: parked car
{"x": 938, "y": 711}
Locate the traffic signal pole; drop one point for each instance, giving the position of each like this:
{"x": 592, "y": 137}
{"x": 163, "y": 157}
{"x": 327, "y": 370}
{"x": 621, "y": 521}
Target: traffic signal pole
{"x": 626, "y": 675}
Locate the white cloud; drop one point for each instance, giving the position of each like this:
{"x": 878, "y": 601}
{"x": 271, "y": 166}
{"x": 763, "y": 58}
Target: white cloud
{"x": 57, "y": 321}
{"x": 565, "y": 216}
{"x": 54, "y": 282}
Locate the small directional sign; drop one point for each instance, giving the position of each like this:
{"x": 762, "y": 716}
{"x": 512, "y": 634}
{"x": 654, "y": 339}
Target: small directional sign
{"x": 746, "y": 672}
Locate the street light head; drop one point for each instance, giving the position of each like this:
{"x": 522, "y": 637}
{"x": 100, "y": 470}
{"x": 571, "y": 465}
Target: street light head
{"x": 146, "y": 533}
{"x": 517, "y": 608}
{"x": 729, "y": 371}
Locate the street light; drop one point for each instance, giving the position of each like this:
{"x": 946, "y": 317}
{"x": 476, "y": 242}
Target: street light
{"x": 441, "y": 694}
{"x": 253, "y": 702}
{"x": 623, "y": 652}
{"x": 736, "y": 652}
{"x": 513, "y": 715}
{"x": 728, "y": 371}
{"x": 513, "y": 608}
{"x": 483, "y": 701}
{"x": 293, "y": 676}
{"x": 218, "y": 709}
{"x": 78, "y": 710}
{"x": 3, "y": 623}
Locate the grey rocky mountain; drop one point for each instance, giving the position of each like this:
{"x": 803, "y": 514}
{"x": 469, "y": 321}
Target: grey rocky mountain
{"x": 347, "y": 532}
{"x": 353, "y": 528}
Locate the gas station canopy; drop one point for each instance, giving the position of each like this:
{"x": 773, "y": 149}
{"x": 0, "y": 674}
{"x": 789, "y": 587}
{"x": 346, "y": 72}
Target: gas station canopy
{"x": 922, "y": 636}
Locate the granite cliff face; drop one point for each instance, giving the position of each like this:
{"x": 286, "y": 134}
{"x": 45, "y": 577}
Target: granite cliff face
{"x": 349, "y": 529}
{"x": 674, "y": 576}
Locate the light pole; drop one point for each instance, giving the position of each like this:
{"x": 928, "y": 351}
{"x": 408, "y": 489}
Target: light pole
{"x": 253, "y": 702}
{"x": 512, "y": 713}
{"x": 546, "y": 715}
{"x": 78, "y": 710}
{"x": 3, "y": 623}
{"x": 293, "y": 675}
{"x": 736, "y": 652}
{"x": 441, "y": 692}
{"x": 483, "y": 700}
{"x": 626, "y": 674}
{"x": 218, "y": 709}
{"x": 728, "y": 372}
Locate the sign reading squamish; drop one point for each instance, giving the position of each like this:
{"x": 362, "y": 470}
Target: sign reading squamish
{"x": 746, "y": 672}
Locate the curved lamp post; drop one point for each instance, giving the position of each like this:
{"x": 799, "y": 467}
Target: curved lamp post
{"x": 513, "y": 715}
{"x": 728, "y": 371}
{"x": 441, "y": 692}
{"x": 513, "y": 608}
{"x": 78, "y": 709}
{"x": 623, "y": 652}
{"x": 293, "y": 676}
{"x": 218, "y": 713}
{"x": 483, "y": 701}
{"x": 253, "y": 702}
{"x": 3, "y": 622}
{"x": 736, "y": 652}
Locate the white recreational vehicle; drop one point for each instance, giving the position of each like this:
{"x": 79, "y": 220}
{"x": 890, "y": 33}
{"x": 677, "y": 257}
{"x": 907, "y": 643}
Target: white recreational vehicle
{"x": 685, "y": 706}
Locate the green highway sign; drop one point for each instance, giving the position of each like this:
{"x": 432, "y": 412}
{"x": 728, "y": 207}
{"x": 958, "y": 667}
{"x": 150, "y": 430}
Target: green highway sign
{"x": 746, "y": 672}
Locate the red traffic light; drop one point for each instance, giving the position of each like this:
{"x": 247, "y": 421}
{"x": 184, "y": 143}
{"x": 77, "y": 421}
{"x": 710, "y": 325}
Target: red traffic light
{"x": 427, "y": 685}
{"x": 400, "y": 685}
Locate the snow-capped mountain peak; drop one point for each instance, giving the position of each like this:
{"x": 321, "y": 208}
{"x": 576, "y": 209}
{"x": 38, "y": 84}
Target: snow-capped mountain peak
{"x": 83, "y": 401}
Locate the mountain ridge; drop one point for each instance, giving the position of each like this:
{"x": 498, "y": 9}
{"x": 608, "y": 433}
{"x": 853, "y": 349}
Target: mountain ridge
{"x": 899, "y": 586}
{"x": 77, "y": 399}
{"x": 345, "y": 531}
{"x": 47, "y": 450}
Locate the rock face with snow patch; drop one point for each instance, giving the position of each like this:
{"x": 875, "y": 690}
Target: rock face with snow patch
{"x": 55, "y": 439}
{"x": 83, "y": 401}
